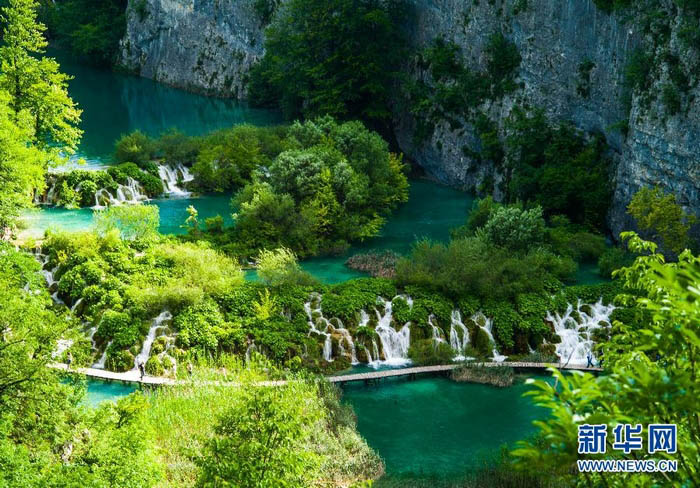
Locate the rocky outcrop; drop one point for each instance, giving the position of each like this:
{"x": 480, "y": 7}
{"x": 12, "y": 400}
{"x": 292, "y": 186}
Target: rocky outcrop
{"x": 209, "y": 46}
{"x": 556, "y": 39}
{"x": 206, "y": 46}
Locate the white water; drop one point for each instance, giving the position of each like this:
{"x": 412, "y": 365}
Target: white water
{"x": 76, "y": 304}
{"x": 131, "y": 193}
{"x": 61, "y": 346}
{"x": 438, "y": 335}
{"x": 457, "y": 326}
{"x": 480, "y": 318}
{"x": 327, "y": 345}
{"x": 394, "y": 344}
{"x": 171, "y": 178}
{"x": 100, "y": 364}
{"x": 157, "y": 323}
{"x": 577, "y": 335}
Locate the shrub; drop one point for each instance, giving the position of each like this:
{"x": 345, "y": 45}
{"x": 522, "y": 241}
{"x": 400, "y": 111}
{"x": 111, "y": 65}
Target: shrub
{"x": 613, "y": 258}
{"x": 427, "y": 353}
{"x": 133, "y": 222}
{"x": 514, "y": 228}
{"x": 661, "y": 215}
{"x": 136, "y": 147}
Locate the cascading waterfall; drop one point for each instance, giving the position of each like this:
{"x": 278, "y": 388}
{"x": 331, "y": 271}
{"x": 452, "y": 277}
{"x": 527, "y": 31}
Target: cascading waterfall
{"x": 577, "y": 335}
{"x": 456, "y": 326}
{"x": 394, "y": 344}
{"x": 348, "y": 340}
{"x": 327, "y": 344}
{"x": 172, "y": 176}
{"x": 131, "y": 193}
{"x": 479, "y": 318}
{"x": 437, "y": 331}
{"x": 76, "y": 304}
{"x": 100, "y": 364}
{"x": 61, "y": 346}
{"x": 157, "y": 323}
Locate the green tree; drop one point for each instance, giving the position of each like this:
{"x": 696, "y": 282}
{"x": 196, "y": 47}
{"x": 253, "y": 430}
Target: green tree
{"x": 659, "y": 214}
{"x": 652, "y": 367}
{"x": 133, "y": 222}
{"x": 33, "y": 81}
{"x": 261, "y": 439}
{"x": 280, "y": 267}
{"x": 557, "y": 168}
{"x": 337, "y": 57}
{"x": 91, "y": 29}
{"x": 514, "y": 228}
{"x": 22, "y": 166}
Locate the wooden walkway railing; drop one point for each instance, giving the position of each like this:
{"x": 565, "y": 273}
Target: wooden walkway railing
{"x": 135, "y": 377}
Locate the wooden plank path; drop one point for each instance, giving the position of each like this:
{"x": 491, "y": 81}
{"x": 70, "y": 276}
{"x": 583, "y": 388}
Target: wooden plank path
{"x": 135, "y": 377}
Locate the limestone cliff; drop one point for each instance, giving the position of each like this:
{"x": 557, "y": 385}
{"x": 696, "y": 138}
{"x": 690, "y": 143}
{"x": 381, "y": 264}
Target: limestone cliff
{"x": 209, "y": 45}
{"x": 206, "y": 46}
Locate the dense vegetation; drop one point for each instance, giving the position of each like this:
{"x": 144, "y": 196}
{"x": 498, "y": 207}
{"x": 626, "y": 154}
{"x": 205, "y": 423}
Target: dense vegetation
{"x": 50, "y": 438}
{"x": 90, "y": 29}
{"x": 336, "y": 57}
{"x": 78, "y": 188}
{"x": 38, "y": 119}
{"x": 651, "y": 360}
{"x": 313, "y": 187}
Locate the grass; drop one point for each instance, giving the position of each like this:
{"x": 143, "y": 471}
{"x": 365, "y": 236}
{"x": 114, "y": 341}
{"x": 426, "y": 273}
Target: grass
{"x": 182, "y": 419}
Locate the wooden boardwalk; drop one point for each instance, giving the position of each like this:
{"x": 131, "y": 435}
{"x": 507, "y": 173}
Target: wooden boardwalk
{"x": 135, "y": 377}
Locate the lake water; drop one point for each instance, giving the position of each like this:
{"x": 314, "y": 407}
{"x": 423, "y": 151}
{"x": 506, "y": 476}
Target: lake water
{"x": 114, "y": 104}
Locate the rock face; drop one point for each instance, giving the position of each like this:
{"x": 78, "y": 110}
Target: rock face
{"x": 206, "y": 46}
{"x": 209, "y": 45}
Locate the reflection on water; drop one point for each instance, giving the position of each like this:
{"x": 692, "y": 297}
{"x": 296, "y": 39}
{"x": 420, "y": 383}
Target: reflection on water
{"x": 114, "y": 104}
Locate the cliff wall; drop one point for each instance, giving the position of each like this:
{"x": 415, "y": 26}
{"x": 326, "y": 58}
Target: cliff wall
{"x": 209, "y": 45}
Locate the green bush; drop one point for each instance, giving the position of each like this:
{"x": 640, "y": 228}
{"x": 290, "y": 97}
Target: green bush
{"x": 558, "y": 168}
{"x": 613, "y": 258}
{"x": 199, "y": 326}
{"x": 136, "y": 147}
{"x": 514, "y": 228}
{"x": 427, "y": 353}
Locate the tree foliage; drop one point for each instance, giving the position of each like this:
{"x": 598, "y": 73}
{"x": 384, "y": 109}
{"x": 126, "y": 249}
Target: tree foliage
{"x": 33, "y": 81}
{"x": 132, "y": 222}
{"x": 651, "y": 365}
{"x": 91, "y": 29}
{"x": 260, "y": 439}
{"x": 337, "y": 57}
{"x": 558, "y": 169}
{"x": 659, "y": 214}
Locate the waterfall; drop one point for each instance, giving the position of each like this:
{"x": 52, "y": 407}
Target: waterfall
{"x": 348, "y": 340}
{"x": 132, "y": 192}
{"x": 56, "y": 299}
{"x": 76, "y": 304}
{"x": 394, "y": 344}
{"x": 480, "y": 318}
{"x": 104, "y": 198}
{"x": 437, "y": 331}
{"x": 327, "y": 344}
{"x": 157, "y": 323}
{"x": 61, "y": 346}
{"x": 185, "y": 173}
{"x": 458, "y": 345}
{"x": 100, "y": 364}
{"x": 171, "y": 177}
{"x": 577, "y": 335}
